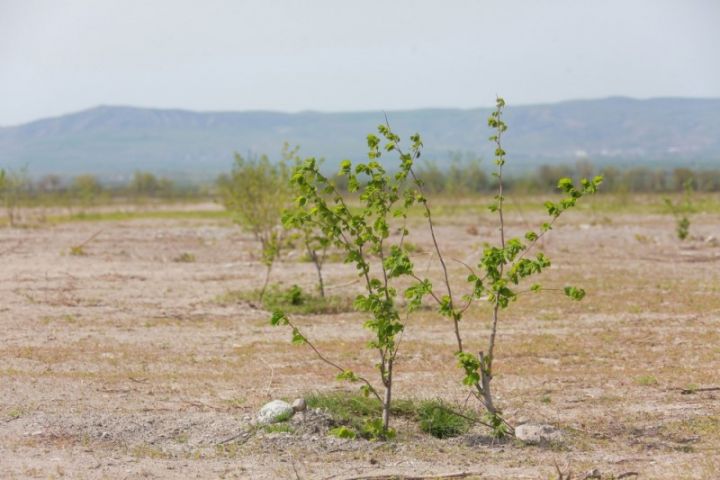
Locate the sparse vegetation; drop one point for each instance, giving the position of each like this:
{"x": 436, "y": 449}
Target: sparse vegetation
{"x": 115, "y": 328}
{"x": 443, "y": 421}
{"x": 292, "y": 300}
{"x": 646, "y": 380}
{"x": 12, "y": 187}
{"x": 682, "y": 210}
{"x": 184, "y": 257}
{"x": 257, "y": 192}
{"x": 357, "y": 415}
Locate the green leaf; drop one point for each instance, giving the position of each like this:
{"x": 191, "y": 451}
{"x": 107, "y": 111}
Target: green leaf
{"x": 278, "y": 318}
{"x": 297, "y": 337}
{"x": 574, "y": 293}
{"x": 347, "y": 375}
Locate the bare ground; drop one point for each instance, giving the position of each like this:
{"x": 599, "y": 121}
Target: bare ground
{"x": 123, "y": 363}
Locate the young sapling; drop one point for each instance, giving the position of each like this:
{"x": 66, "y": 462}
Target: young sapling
{"x": 503, "y": 266}
{"x": 364, "y": 236}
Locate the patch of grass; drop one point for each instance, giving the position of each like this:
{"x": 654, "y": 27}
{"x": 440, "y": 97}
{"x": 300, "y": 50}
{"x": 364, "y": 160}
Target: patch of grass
{"x": 645, "y": 240}
{"x": 184, "y": 258}
{"x": 283, "y": 417}
{"x": 15, "y": 413}
{"x": 646, "y": 380}
{"x": 412, "y": 247}
{"x": 236, "y": 402}
{"x": 281, "y": 427}
{"x": 707, "y": 427}
{"x": 291, "y": 300}
{"x": 691, "y": 388}
{"x": 355, "y": 414}
{"x": 77, "y": 251}
{"x": 442, "y": 421}
{"x": 148, "y": 451}
{"x": 343, "y": 432}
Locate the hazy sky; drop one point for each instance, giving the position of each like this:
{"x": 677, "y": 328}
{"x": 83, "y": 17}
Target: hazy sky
{"x": 59, "y": 56}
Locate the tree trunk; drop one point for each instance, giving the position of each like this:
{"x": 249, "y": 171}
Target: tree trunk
{"x": 265, "y": 283}
{"x": 321, "y": 285}
{"x": 388, "y": 398}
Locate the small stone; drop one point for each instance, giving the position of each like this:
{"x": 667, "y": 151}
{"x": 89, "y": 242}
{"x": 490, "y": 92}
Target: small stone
{"x": 299, "y": 405}
{"x": 537, "y": 434}
{"x": 594, "y": 473}
{"x": 275, "y": 411}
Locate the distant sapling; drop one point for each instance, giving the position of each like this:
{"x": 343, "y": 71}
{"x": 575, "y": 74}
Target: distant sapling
{"x": 682, "y": 210}
{"x": 257, "y": 192}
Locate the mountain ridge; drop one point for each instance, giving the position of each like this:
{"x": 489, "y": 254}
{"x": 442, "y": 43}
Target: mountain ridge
{"x": 116, "y": 139}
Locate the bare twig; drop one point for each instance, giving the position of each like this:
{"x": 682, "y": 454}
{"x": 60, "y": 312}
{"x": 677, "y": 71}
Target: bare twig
{"x": 297, "y": 476}
{"x": 245, "y": 435}
{"x": 690, "y": 391}
{"x": 90, "y": 239}
{"x": 331, "y": 363}
{"x": 199, "y": 404}
{"x": 269, "y": 385}
{"x": 628, "y": 474}
{"x": 341, "y": 285}
{"x": 561, "y": 475}
{"x": 392, "y": 476}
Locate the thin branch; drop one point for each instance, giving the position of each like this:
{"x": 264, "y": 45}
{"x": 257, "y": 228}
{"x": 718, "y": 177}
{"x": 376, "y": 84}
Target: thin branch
{"x": 245, "y": 435}
{"x": 330, "y": 362}
{"x": 90, "y": 239}
{"x": 396, "y": 476}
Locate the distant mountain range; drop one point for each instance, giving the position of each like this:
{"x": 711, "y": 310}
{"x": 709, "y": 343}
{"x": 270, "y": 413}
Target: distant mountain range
{"x": 113, "y": 141}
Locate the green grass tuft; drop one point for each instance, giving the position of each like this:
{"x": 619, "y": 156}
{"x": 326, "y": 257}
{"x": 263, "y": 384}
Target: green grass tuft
{"x": 291, "y": 300}
{"x": 646, "y": 380}
{"x": 184, "y": 258}
{"x": 440, "y": 420}
{"x": 279, "y": 428}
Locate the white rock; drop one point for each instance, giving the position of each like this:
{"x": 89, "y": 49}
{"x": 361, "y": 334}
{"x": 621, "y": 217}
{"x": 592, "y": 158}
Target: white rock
{"x": 299, "y": 405}
{"x": 536, "y": 434}
{"x": 275, "y": 411}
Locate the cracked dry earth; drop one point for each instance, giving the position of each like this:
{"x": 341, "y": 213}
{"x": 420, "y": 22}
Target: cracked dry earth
{"x": 124, "y": 363}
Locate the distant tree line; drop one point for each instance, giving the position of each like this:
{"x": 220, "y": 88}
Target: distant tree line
{"x": 466, "y": 176}
{"x": 462, "y": 176}
{"x": 17, "y": 188}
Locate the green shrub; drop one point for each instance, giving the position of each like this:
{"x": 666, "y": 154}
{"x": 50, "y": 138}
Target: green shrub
{"x": 257, "y": 192}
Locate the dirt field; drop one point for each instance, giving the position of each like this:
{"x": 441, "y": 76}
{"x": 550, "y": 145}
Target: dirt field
{"x": 126, "y": 363}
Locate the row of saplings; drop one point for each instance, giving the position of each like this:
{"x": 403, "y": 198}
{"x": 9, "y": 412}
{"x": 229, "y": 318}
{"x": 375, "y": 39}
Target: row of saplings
{"x": 325, "y": 218}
